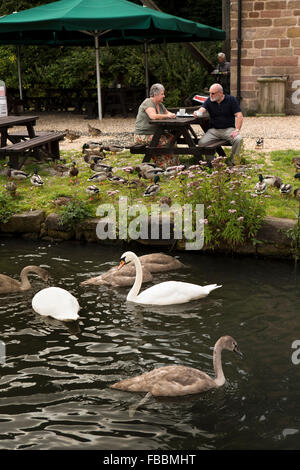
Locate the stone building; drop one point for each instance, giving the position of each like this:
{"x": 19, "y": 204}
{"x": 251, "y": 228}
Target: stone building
{"x": 264, "y": 42}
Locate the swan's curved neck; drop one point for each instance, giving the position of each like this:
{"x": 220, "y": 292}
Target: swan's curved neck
{"x": 217, "y": 359}
{"x": 134, "y": 291}
{"x": 25, "y": 284}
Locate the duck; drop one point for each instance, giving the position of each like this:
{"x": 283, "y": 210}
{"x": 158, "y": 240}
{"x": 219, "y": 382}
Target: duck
{"x": 11, "y": 188}
{"x": 153, "y": 188}
{"x": 118, "y": 180}
{"x": 296, "y": 161}
{"x": 73, "y": 172}
{"x": 261, "y": 186}
{"x": 72, "y": 135}
{"x": 180, "y": 380}
{"x": 9, "y": 284}
{"x": 259, "y": 143}
{"x": 297, "y": 193}
{"x": 91, "y": 144}
{"x": 165, "y": 202}
{"x": 60, "y": 168}
{"x": 286, "y": 189}
{"x": 92, "y": 190}
{"x": 57, "y": 303}
{"x": 94, "y": 131}
{"x": 61, "y": 200}
{"x": 97, "y": 166}
{"x": 272, "y": 180}
{"x": 165, "y": 293}
{"x": 100, "y": 176}
{"x": 89, "y": 156}
{"x": 148, "y": 171}
{"x": 151, "y": 263}
{"x": 12, "y": 173}
{"x": 36, "y": 179}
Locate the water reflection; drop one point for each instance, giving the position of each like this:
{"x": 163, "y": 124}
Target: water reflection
{"x": 54, "y": 383}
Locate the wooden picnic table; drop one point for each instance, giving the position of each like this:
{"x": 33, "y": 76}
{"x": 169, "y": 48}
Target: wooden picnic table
{"x": 184, "y": 141}
{"x": 21, "y": 144}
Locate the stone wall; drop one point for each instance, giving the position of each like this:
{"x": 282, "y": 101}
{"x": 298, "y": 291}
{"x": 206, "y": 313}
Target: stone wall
{"x": 270, "y": 47}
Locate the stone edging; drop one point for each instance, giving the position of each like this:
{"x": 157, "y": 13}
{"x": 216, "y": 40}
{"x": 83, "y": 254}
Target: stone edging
{"x": 271, "y": 239}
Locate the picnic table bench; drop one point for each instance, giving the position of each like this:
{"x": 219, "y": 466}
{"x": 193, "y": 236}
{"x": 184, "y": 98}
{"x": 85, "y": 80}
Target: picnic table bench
{"x": 23, "y": 144}
{"x": 183, "y": 134}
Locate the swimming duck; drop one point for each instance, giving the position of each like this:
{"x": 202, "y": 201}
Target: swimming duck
{"x": 36, "y": 179}
{"x": 286, "y": 189}
{"x": 165, "y": 293}
{"x": 261, "y": 186}
{"x": 8, "y": 284}
{"x": 179, "y": 380}
{"x": 154, "y": 188}
{"x": 56, "y": 303}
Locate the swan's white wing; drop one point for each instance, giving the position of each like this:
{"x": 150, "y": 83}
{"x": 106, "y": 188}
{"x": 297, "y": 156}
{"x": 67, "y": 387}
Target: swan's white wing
{"x": 173, "y": 292}
{"x": 57, "y": 303}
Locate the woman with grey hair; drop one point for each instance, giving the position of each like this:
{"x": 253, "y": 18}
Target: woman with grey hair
{"x": 153, "y": 108}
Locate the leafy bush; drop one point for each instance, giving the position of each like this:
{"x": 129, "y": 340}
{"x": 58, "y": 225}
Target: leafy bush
{"x": 7, "y": 207}
{"x": 73, "y": 213}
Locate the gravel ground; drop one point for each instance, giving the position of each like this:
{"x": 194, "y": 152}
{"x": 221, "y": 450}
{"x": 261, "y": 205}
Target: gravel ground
{"x": 279, "y": 133}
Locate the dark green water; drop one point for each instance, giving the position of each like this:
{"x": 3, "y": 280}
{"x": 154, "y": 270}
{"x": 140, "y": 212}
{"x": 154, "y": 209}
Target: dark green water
{"x": 54, "y": 384}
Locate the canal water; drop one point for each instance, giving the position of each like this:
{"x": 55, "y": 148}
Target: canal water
{"x": 54, "y": 379}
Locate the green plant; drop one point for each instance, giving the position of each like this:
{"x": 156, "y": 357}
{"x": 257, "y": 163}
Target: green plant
{"x": 7, "y": 207}
{"x": 73, "y": 213}
{"x": 233, "y": 213}
{"x": 294, "y": 235}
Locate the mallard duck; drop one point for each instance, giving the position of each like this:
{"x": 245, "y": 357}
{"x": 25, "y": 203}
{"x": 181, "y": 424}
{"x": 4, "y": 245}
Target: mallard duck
{"x": 92, "y": 190}
{"x": 296, "y": 161}
{"x": 94, "y": 131}
{"x": 8, "y": 284}
{"x": 153, "y": 188}
{"x": 98, "y": 167}
{"x": 17, "y": 174}
{"x": 297, "y": 193}
{"x": 60, "y": 168}
{"x": 286, "y": 189}
{"x": 73, "y": 172}
{"x": 36, "y": 179}
{"x": 179, "y": 380}
{"x": 11, "y": 188}
{"x": 91, "y": 144}
{"x": 100, "y": 176}
{"x": 272, "y": 180}
{"x": 118, "y": 180}
{"x": 135, "y": 184}
{"x": 148, "y": 171}
{"x": 56, "y": 303}
{"x": 72, "y": 135}
{"x": 89, "y": 155}
{"x": 261, "y": 186}
{"x": 259, "y": 143}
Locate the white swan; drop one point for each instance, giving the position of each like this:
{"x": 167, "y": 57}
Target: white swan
{"x": 177, "y": 380}
{"x": 56, "y": 303}
{"x": 165, "y": 293}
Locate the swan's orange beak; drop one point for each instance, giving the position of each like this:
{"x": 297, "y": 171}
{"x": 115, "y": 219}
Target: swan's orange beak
{"x": 122, "y": 263}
